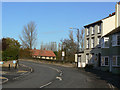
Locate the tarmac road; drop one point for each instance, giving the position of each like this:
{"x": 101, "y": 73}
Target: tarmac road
{"x": 52, "y": 76}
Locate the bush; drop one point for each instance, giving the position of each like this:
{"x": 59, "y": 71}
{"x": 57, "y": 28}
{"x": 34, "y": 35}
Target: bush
{"x": 89, "y": 66}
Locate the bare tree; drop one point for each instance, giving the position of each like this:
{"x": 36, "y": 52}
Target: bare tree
{"x": 69, "y": 46}
{"x": 29, "y": 35}
{"x": 81, "y": 37}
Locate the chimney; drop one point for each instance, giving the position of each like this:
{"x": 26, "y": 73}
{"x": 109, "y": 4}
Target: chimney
{"x": 117, "y": 13}
{"x": 34, "y": 48}
{"x": 109, "y": 14}
{"x": 119, "y": 2}
{"x": 113, "y": 13}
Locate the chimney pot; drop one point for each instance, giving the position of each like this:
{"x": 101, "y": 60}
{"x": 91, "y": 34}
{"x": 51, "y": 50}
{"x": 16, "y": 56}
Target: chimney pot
{"x": 109, "y": 14}
{"x": 119, "y": 3}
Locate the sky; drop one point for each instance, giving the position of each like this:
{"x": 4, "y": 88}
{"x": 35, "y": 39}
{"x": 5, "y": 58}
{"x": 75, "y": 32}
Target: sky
{"x": 53, "y": 19}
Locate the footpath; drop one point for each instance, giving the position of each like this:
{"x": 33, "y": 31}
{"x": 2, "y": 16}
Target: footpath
{"x": 113, "y": 80}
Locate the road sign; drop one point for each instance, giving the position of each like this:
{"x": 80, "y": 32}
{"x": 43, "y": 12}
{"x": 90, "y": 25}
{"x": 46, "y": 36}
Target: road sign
{"x": 63, "y": 53}
{"x": 14, "y": 61}
{"x": 1, "y": 62}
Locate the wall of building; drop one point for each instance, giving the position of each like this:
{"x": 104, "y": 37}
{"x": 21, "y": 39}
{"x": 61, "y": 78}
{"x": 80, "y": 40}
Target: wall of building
{"x": 111, "y": 51}
{"x": 117, "y": 16}
{"x": 108, "y": 25}
{"x": 81, "y": 60}
{"x": 96, "y": 50}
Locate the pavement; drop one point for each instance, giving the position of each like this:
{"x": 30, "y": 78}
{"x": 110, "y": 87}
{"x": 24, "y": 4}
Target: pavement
{"x": 54, "y": 76}
{"x": 112, "y": 79}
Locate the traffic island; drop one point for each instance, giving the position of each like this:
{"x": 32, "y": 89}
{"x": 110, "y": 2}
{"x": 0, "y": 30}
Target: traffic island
{"x": 15, "y": 73}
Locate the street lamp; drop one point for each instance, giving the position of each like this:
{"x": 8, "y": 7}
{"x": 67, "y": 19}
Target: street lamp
{"x": 78, "y": 65}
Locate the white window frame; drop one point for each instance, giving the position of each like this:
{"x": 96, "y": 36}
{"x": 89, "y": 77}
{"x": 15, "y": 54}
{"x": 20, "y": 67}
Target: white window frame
{"x": 116, "y": 61}
{"x": 87, "y": 43}
{"x": 99, "y": 41}
{"x": 104, "y": 60}
{"x": 92, "y": 42}
{"x": 116, "y": 39}
{"x": 87, "y": 31}
{"x": 99, "y": 30}
{"x": 93, "y": 30}
{"x": 87, "y": 59}
{"x": 103, "y": 42}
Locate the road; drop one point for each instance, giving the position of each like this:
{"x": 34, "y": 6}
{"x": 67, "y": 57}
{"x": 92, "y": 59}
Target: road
{"x": 52, "y": 76}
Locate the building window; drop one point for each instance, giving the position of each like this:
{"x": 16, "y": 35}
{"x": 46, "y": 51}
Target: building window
{"x": 92, "y": 58}
{"x": 98, "y": 41}
{"x": 99, "y": 28}
{"x": 105, "y": 42}
{"x": 116, "y": 61}
{"x": 102, "y": 61}
{"x": 115, "y": 40}
{"x": 87, "y": 43}
{"x": 118, "y": 39}
{"x": 93, "y": 30}
{"x": 92, "y": 43}
{"x": 87, "y": 29}
{"x": 87, "y": 58}
{"x": 105, "y": 61}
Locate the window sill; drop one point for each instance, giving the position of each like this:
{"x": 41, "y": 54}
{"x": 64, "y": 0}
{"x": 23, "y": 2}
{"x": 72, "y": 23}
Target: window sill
{"x": 115, "y": 66}
{"x": 99, "y": 33}
{"x": 99, "y": 47}
{"x": 105, "y": 65}
{"x": 115, "y": 45}
{"x": 87, "y": 48}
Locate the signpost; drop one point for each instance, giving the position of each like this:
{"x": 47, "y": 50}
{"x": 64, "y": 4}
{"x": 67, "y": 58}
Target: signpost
{"x": 1, "y": 62}
{"x": 14, "y": 61}
{"x": 63, "y": 54}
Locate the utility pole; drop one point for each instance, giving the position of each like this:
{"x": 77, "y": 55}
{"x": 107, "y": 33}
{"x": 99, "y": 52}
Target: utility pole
{"x": 78, "y": 39}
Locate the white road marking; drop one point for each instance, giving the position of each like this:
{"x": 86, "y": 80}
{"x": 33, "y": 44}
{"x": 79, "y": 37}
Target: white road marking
{"x": 110, "y": 85}
{"x": 59, "y": 71}
{"x": 4, "y": 80}
{"x": 45, "y": 85}
{"x": 59, "y": 78}
{"x": 25, "y": 73}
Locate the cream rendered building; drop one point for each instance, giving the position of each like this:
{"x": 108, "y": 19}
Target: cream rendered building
{"x": 93, "y": 34}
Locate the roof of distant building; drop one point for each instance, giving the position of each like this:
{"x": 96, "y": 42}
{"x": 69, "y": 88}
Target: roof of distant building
{"x": 47, "y": 53}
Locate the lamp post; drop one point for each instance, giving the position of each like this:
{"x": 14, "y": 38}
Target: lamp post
{"x": 78, "y": 62}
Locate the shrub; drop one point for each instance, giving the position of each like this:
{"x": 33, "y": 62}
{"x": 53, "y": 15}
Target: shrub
{"x": 89, "y": 66}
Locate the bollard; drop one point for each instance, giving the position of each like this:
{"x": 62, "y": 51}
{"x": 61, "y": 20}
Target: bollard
{"x": 15, "y": 65}
{"x": 9, "y": 67}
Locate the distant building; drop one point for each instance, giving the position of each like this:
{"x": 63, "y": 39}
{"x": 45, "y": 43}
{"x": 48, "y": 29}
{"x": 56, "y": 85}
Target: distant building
{"x": 110, "y": 52}
{"x": 43, "y": 54}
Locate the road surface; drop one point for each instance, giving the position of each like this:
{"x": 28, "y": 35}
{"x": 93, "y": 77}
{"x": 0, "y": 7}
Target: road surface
{"x": 52, "y": 76}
